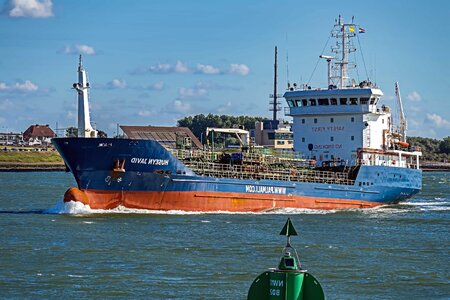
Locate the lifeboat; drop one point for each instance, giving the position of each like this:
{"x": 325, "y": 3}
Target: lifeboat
{"x": 403, "y": 144}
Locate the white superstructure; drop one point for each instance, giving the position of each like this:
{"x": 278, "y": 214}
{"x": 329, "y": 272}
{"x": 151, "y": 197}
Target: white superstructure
{"x": 84, "y": 123}
{"x": 343, "y": 123}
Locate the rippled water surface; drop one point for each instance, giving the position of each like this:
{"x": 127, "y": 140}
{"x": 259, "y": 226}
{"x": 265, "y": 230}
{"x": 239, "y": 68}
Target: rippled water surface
{"x": 53, "y": 250}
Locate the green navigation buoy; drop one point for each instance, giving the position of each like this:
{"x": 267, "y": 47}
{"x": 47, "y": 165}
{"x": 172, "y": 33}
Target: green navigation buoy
{"x": 289, "y": 281}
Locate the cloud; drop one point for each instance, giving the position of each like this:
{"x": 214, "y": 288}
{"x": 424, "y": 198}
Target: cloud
{"x": 77, "y": 49}
{"x": 415, "y": 109}
{"x": 438, "y": 121}
{"x": 19, "y": 86}
{"x": 224, "y": 108}
{"x": 116, "y": 84}
{"x": 192, "y": 92}
{"x": 28, "y": 8}
{"x": 145, "y": 113}
{"x": 207, "y": 69}
{"x": 179, "y": 67}
{"x": 161, "y": 68}
{"x": 158, "y": 86}
{"x": 181, "y": 107}
{"x": 389, "y": 97}
{"x": 414, "y": 96}
{"x": 122, "y": 84}
{"x": 239, "y": 69}
{"x": 6, "y": 104}
{"x": 71, "y": 115}
{"x": 216, "y": 86}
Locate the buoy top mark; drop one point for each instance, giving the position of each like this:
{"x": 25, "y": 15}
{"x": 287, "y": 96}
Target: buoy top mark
{"x": 288, "y": 229}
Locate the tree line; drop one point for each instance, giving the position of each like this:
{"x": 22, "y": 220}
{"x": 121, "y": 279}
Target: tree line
{"x": 432, "y": 149}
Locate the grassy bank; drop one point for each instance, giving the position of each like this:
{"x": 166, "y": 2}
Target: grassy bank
{"x": 32, "y": 157}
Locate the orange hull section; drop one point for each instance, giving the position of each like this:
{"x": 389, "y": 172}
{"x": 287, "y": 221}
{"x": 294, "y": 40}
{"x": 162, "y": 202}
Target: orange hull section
{"x": 206, "y": 201}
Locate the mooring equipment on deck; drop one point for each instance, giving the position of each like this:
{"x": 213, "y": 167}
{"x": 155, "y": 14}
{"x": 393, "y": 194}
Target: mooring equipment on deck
{"x": 289, "y": 281}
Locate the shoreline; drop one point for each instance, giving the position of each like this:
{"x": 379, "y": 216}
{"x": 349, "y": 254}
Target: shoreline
{"x": 32, "y": 167}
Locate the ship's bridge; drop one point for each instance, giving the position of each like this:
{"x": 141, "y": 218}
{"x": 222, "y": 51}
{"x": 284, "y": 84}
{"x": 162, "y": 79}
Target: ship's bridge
{"x": 332, "y": 101}
{"x": 331, "y": 124}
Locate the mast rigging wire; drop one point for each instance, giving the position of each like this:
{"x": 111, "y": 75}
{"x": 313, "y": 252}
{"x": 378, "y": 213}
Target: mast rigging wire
{"x": 362, "y": 55}
{"x": 317, "y": 63}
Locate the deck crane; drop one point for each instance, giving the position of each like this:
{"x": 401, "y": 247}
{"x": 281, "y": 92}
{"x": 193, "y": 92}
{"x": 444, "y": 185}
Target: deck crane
{"x": 242, "y": 135}
{"x": 402, "y": 125}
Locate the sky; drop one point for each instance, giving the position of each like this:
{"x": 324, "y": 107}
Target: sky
{"x": 155, "y": 62}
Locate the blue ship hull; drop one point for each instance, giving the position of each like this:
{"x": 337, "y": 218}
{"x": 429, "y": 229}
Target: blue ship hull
{"x": 152, "y": 178}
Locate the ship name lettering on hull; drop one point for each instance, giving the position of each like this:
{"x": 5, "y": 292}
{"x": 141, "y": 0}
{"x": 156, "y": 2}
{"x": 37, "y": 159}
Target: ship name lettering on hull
{"x": 261, "y": 189}
{"x": 149, "y": 161}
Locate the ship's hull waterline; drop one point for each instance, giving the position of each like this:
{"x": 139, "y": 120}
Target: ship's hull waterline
{"x": 152, "y": 178}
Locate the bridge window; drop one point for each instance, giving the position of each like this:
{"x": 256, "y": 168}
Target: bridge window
{"x": 312, "y": 102}
{"x": 353, "y": 101}
{"x": 291, "y": 103}
{"x": 343, "y": 101}
{"x": 298, "y": 103}
{"x": 323, "y": 101}
{"x": 304, "y": 102}
{"x": 333, "y": 101}
{"x": 373, "y": 100}
{"x": 364, "y": 100}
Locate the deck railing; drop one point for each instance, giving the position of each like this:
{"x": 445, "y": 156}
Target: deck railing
{"x": 218, "y": 170}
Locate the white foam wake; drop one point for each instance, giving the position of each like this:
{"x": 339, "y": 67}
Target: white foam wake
{"x": 70, "y": 208}
{"x": 78, "y": 208}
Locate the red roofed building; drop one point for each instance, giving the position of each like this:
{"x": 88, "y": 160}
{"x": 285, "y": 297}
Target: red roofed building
{"x": 38, "y": 135}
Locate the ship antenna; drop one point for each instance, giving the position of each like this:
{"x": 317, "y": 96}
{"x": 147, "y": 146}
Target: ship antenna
{"x": 287, "y": 67}
{"x": 275, "y": 86}
{"x": 274, "y": 102}
{"x": 287, "y": 61}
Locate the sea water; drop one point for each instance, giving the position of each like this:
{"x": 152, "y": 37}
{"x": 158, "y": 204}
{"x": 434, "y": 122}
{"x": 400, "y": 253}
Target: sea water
{"x": 53, "y": 250}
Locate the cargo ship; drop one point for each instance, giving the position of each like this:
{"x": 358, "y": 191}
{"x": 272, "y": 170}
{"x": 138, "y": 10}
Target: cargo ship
{"x": 348, "y": 154}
